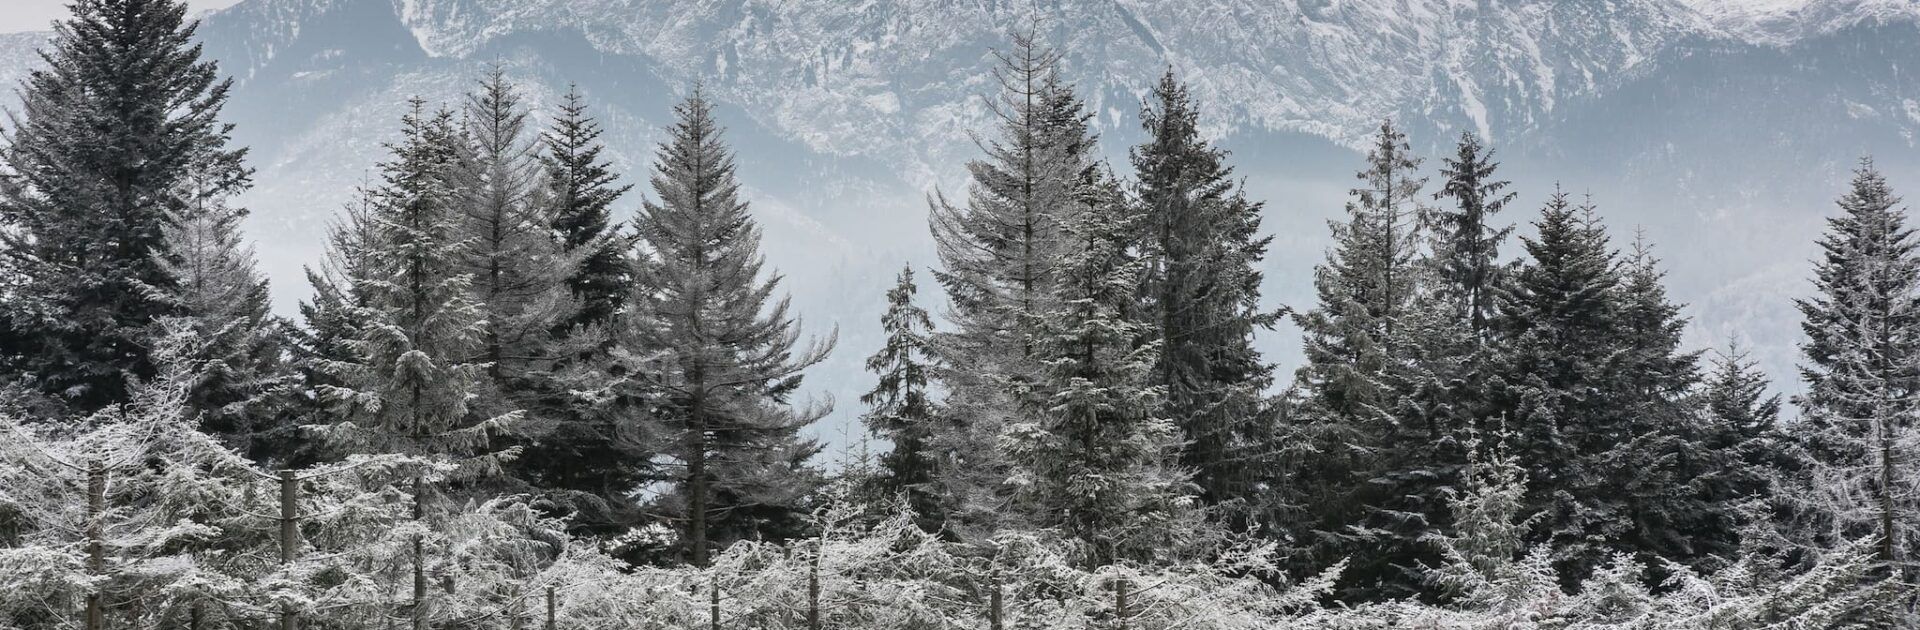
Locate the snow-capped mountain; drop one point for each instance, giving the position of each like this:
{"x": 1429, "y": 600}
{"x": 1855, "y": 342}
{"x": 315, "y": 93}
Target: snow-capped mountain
{"x": 1723, "y": 127}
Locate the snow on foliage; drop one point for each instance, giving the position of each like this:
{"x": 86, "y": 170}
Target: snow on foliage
{"x": 188, "y": 530}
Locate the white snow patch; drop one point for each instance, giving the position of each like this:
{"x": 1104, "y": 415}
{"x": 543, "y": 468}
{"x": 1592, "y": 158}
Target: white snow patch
{"x": 885, "y": 102}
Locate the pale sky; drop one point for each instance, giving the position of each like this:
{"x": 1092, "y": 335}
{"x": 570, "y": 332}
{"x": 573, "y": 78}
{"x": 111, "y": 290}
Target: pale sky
{"x": 36, "y": 15}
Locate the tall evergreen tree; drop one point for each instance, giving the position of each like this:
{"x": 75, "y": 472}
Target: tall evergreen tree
{"x": 581, "y": 189}
{"x": 1658, "y": 468}
{"x": 996, "y": 255}
{"x": 515, "y": 263}
{"x": 1744, "y": 450}
{"x": 118, "y": 133}
{"x": 1091, "y": 453}
{"x": 729, "y": 360}
{"x": 410, "y": 372}
{"x": 1861, "y": 362}
{"x": 1202, "y": 295}
{"x": 413, "y": 360}
{"x": 1466, "y": 250}
{"x": 330, "y": 317}
{"x": 1594, "y": 383}
{"x": 243, "y": 383}
{"x": 592, "y": 449}
{"x": 1357, "y": 373}
{"x": 1556, "y": 315}
{"x": 899, "y": 407}
{"x": 1445, "y": 366}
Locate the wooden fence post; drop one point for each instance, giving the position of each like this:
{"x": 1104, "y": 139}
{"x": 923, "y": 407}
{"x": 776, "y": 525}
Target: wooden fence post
{"x": 713, "y": 603}
{"x": 552, "y": 605}
{"x": 96, "y": 546}
{"x": 813, "y": 593}
{"x": 994, "y": 601}
{"x": 289, "y": 537}
{"x": 1120, "y": 603}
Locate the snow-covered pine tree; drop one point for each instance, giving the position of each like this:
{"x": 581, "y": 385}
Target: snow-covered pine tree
{"x": 129, "y": 517}
{"x": 1358, "y": 372}
{"x": 729, "y": 358}
{"x": 1092, "y": 455}
{"x": 1446, "y": 336}
{"x": 118, "y": 133}
{"x": 1466, "y": 243}
{"x": 329, "y": 317}
{"x": 1487, "y": 532}
{"x": 1459, "y": 307}
{"x": 996, "y": 256}
{"x": 245, "y": 381}
{"x": 414, "y": 357}
{"x": 1202, "y": 298}
{"x": 581, "y": 189}
{"x": 1590, "y": 379}
{"x": 1861, "y": 362}
{"x": 1557, "y": 315}
{"x": 1663, "y": 455}
{"x": 515, "y": 264}
{"x": 410, "y": 373}
{"x": 1745, "y": 451}
{"x": 899, "y": 408}
{"x": 589, "y": 453}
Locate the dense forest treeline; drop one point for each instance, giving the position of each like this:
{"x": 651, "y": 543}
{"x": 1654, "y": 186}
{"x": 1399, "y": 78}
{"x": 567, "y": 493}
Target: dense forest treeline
{"x": 503, "y": 408}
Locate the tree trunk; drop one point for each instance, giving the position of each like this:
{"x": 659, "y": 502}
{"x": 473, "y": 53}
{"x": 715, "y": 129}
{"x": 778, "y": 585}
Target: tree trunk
{"x": 1889, "y": 551}
{"x": 697, "y": 476}
{"x": 713, "y": 604}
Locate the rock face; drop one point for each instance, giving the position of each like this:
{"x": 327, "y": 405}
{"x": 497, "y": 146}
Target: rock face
{"x": 1723, "y": 127}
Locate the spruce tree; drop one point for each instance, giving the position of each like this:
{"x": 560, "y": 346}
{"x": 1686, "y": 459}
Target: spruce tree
{"x": 243, "y": 384}
{"x": 1446, "y": 363}
{"x": 1466, "y": 250}
{"x": 899, "y": 408}
{"x": 412, "y": 360}
{"x": 1201, "y": 292}
{"x": 591, "y": 450}
{"x": 996, "y": 255}
{"x": 515, "y": 264}
{"x": 1557, "y": 315}
{"x": 581, "y": 189}
{"x": 118, "y": 133}
{"x": 1744, "y": 450}
{"x": 1862, "y": 371}
{"x": 729, "y": 359}
{"x": 411, "y": 369}
{"x": 1357, "y": 372}
{"x": 330, "y": 317}
{"x": 1661, "y": 465}
{"x": 1090, "y": 453}
{"x": 1594, "y": 382}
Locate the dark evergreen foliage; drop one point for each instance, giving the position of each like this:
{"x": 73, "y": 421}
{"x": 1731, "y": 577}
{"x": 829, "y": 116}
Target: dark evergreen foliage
{"x": 899, "y": 407}
{"x": 581, "y": 189}
{"x": 118, "y": 132}
{"x": 724, "y": 354}
{"x": 1862, "y": 367}
{"x": 1201, "y": 300}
